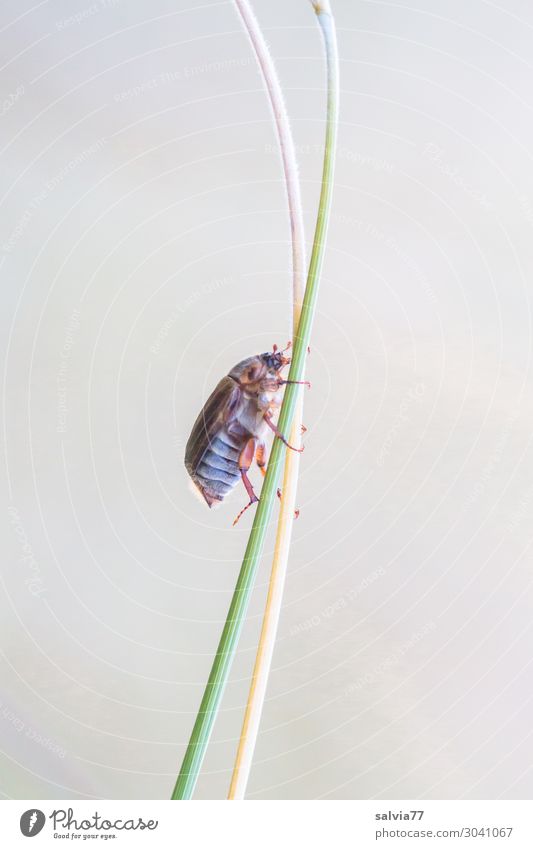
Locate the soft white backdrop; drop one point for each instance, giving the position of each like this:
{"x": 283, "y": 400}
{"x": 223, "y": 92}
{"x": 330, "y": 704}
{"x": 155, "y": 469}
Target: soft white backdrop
{"x": 144, "y": 251}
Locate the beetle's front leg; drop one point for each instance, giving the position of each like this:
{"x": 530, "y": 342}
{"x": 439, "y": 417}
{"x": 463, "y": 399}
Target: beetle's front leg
{"x": 299, "y": 382}
{"x": 268, "y": 420}
{"x": 245, "y": 461}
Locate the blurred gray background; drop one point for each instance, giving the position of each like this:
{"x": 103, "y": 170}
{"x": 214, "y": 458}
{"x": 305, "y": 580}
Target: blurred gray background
{"x": 144, "y": 251}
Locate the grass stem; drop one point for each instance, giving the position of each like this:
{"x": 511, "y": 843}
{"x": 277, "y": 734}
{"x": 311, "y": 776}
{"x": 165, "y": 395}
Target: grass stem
{"x": 218, "y": 676}
{"x": 267, "y": 639}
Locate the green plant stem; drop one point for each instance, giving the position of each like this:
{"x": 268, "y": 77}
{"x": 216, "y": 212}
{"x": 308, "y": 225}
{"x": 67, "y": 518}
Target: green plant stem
{"x": 218, "y": 676}
{"x": 267, "y": 639}
{"x": 261, "y": 671}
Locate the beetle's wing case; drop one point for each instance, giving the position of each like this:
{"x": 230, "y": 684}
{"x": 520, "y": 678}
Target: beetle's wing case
{"x": 216, "y": 411}
{"x": 204, "y": 443}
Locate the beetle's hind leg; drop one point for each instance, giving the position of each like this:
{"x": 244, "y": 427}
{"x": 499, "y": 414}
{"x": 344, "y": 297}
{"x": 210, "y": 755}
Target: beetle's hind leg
{"x": 260, "y": 458}
{"x": 245, "y": 461}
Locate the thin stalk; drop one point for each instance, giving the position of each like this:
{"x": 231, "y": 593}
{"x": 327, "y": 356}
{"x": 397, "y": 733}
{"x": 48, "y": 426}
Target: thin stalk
{"x": 218, "y": 676}
{"x": 267, "y": 639}
{"x": 256, "y": 697}
{"x": 286, "y": 146}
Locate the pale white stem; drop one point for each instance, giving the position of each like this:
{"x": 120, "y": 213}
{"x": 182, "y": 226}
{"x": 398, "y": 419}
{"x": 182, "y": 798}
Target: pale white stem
{"x": 286, "y": 144}
{"x": 321, "y": 6}
{"x": 256, "y": 696}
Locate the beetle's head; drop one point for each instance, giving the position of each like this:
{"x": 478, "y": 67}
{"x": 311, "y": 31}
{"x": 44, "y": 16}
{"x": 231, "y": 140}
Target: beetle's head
{"x": 254, "y": 371}
{"x": 275, "y": 360}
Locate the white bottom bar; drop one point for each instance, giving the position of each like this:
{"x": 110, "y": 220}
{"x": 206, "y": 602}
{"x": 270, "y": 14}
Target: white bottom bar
{"x": 263, "y": 825}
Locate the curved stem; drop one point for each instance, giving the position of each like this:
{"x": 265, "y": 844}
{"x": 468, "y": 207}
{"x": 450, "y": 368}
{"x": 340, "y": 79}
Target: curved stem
{"x": 263, "y": 661}
{"x": 260, "y": 675}
{"x": 286, "y": 145}
{"x": 218, "y": 676}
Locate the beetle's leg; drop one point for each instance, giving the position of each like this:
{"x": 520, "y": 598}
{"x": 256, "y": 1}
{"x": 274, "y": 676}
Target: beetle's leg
{"x": 260, "y": 458}
{"x": 301, "y": 382}
{"x": 268, "y": 419}
{"x": 245, "y": 461}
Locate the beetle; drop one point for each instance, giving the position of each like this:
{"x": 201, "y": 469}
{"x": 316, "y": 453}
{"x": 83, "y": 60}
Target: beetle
{"x": 231, "y": 428}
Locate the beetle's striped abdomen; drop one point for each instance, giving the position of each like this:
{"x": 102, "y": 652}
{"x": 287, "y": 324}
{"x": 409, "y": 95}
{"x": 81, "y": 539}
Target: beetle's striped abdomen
{"x": 218, "y": 470}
